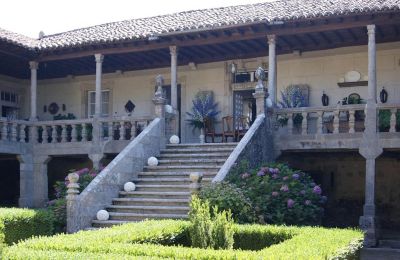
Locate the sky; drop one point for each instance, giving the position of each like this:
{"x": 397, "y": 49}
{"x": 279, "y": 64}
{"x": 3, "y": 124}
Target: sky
{"x": 29, "y": 17}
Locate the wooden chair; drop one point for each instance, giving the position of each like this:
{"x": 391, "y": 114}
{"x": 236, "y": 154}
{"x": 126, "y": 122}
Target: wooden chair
{"x": 241, "y": 127}
{"x": 209, "y": 130}
{"x": 227, "y": 128}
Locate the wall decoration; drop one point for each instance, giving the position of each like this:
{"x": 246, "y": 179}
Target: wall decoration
{"x": 352, "y": 76}
{"x": 64, "y": 107}
{"x": 53, "y": 108}
{"x": 129, "y": 107}
{"x": 383, "y": 95}
{"x": 325, "y": 99}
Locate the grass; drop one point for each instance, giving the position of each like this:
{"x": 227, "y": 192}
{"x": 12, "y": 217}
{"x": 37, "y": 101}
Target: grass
{"x": 168, "y": 238}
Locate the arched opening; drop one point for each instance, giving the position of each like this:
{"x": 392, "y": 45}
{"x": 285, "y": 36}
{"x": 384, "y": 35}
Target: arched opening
{"x": 9, "y": 180}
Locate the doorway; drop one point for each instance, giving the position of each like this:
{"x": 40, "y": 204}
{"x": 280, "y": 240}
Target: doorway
{"x": 244, "y": 105}
{"x": 9, "y": 180}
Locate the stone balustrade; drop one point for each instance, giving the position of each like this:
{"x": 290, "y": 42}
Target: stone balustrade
{"x": 71, "y": 131}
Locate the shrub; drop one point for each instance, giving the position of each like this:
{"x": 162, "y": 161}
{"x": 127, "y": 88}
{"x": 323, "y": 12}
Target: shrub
{"x": 227, "y": 196}
{"x": 59, "y": 205}
{"x": 132, "y": 241}
{"x": 208, "y": 231}
{"x": 280, "y": 194}
{"x": 18, "y": 224}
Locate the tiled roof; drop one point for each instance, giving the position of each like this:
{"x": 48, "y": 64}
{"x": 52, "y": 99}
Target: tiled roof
{"x": 18, "y": 39}
{"x": 205, "y": 19}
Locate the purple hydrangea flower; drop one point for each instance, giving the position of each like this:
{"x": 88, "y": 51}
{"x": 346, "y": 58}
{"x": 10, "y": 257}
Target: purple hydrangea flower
{"x": 275, "y": 176}
{"x": 317, "y": 190}
{"x": 290, "y": 203}
{"x": 261, "y": 173}
{"x": 302, "y": 192}
{"x": 275, "y": 193}
{"x": 296, "y": 176}
{"x": 285, "y": 188}
{"x": 264, "y": 169}
{"x": 307, "y": 202}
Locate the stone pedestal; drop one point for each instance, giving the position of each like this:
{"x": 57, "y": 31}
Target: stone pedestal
{"x": 96, "y": 160}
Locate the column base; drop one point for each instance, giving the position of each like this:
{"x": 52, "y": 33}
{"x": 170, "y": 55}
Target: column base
{"x": 369, "y": 224}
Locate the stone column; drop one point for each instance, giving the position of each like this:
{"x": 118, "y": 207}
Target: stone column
{"x": 272, "y": 89}
{"x": 34, "y": 67}
{"x": 25, "y": 180}
{"x": 40, "y": 181}
{"x": 174, "y": 85}
{"x": 259, "y": 93}
{"x": 370, "y": 147}
{"x": 99, "y": 61}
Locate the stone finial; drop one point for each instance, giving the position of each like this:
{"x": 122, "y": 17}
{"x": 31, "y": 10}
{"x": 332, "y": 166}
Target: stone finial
{"x": 260, "y": 76}
{"x": 73, "y": 186}
{"x": 159, "y": 84}
{"x": 195, "y": 184}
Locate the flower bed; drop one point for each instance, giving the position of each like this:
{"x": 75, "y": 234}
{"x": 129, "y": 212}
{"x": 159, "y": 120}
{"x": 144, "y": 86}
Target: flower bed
{"x": 167, "y": 239}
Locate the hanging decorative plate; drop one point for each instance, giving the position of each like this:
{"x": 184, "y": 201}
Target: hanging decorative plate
{"x": 53, "y": 108}
{"x": 352, "y": 76}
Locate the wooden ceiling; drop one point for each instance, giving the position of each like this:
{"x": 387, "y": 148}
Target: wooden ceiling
{"x": 202, "y": 47}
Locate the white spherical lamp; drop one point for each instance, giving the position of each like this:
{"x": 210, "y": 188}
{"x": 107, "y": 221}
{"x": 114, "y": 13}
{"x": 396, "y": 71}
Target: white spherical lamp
{"x": 174, "y": 139}
{"x": 152, "y": 161}
{"x": 129, "y": 186}
{"x": 103, "y": 215}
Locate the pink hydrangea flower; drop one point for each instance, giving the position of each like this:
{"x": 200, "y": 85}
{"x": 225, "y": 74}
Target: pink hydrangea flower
{"x": 290, "y": 203}
{"x": 245, "y": 175}
{"x": 275, "y": 193}
{"x": 285, "y": 178}
{"x": 285, "y": 188}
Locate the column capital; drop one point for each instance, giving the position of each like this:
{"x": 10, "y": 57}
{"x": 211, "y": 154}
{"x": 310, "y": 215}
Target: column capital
{"x": 271, "y": 38}
{"x": 99, "y": 57}
{"x": 371, "y": 28}
{"x": 173, "y": 50}
{"x": 33, "y": 65}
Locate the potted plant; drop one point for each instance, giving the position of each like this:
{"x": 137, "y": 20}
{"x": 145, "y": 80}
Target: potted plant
{"x": 204, "y": 108}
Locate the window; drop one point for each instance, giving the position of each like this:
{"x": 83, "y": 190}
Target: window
{"x": 105, "y": 102}
{"x": 243, "y": 77}
{"x": 9, "y": 97}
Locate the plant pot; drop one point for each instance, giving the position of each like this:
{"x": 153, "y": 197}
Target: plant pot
{"x": 202, "y": 138}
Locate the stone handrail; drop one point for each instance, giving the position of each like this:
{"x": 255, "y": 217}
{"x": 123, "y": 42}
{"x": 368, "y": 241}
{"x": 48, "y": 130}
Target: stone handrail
{"x": 255, "y": 147}
{"x": 99, "y": 193}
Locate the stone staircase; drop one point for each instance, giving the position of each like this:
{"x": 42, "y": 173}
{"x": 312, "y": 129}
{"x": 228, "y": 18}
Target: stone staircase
{"x": 162, "y": 191}
{"x": 388, "y": 249}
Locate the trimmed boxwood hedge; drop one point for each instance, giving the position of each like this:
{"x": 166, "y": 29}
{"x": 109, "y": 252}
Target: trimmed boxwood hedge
{"x": 17, "y": 224}
{"x": 166, "y": 239}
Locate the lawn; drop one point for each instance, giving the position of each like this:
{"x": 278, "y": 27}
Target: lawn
{"x": 169, "y": 239}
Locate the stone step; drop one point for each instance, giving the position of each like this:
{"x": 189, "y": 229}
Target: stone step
{"x": 168, "y": 181}
{"x": 380, "y": 253}
{"x": 182, "y": 168}
{"x": 165, "y": 175}
{"x": 108, "y": 223}
{"x": 148, "y": 209}
{"x": 127, "y": 201}
{"x": 195, "y": 150}
{"x": 176, "y": 162}
{"x": 389, "y": 243}
{"x": 156, "y": 194}
{"x": 205, "y": 145}
{"x": 162, "y": 187}
{"x": 194, "y": 156}
{"x": 140, "y": 216}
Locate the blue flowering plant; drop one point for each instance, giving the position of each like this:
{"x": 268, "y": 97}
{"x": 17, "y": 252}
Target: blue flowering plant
{"x": 281, "y": 195}
{"x": 292, "y": 97}
{"x": 204, "y": 108}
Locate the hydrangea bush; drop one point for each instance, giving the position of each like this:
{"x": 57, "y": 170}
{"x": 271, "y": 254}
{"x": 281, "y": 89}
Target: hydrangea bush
{"x": 280, "y": 194}
{"x": 58, "y": 205}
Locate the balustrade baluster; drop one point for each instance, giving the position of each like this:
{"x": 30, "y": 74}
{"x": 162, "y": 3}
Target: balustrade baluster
{"x": 74, "y": 133}
{"x": 110, "y": 131}
{"x": 45, "y": 135}
{"x": 336, "y": 121}
{"x": 320, "y": 124}
{"x": 21, "y": 133}
{"x": 304, "y": 123}
{"x": 352, "y": 121}
{"x": 84, "y": 133}
{"x": 120, "y": 131}
{"x": 54, "y": 134}
{"x": 133, "y": 130}
{"x": 4, "y": 134}
{"x": 34, "y": 134}
{"x": 124, "y": 135}
{"x": 14, "y": 131}
{"x": 64, "y": 133}
{"x": 290, "y": 123}
{"x": 393, "y": 112}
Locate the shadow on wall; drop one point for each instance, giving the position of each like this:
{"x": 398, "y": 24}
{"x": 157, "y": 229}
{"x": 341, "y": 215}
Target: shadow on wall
{"x": 59, "y": 167}
{"x": 9, "y": 180}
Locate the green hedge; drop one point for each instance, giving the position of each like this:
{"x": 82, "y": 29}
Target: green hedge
{"x": 160, "y": 239}
{"x": 18, "y": 224}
